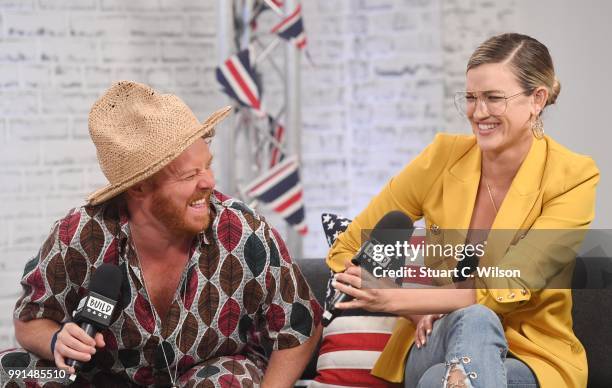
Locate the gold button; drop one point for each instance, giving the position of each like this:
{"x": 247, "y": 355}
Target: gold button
{"x": 511, "y": 295}
{"x": 524, "y": 292}
{"x": 435, "y": 229}
{"x": 499, "y": 298}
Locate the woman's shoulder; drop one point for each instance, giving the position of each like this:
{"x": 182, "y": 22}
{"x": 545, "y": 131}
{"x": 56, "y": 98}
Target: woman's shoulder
{"x": 447, "y": 148}
{"x": 448, "y": 139}
{"x": 566, "y": 170}
{"x": 452, "y": 143}
{"x": 563, "y": 160}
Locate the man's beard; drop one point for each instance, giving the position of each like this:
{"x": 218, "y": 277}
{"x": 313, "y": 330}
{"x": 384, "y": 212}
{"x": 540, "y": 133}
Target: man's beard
{"x": 172, "y": 214}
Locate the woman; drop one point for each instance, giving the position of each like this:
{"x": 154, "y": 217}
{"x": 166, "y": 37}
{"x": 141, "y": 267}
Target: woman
{"x": 512, "y": 177}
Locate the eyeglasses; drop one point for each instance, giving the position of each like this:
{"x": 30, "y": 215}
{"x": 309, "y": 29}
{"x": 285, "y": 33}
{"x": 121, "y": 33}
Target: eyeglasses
{"x": 495, "y": 101}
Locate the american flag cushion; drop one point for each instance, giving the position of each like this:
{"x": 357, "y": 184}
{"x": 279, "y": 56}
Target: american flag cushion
{"x": 352, "y": 342}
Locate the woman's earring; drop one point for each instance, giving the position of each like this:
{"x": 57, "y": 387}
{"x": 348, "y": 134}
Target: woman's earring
{"x": 537, "y": 127}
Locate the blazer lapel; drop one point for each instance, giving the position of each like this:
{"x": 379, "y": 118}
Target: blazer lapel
{"x": 461, "y": 186}
{"x": 519, "y": 200}
{"x": 459, "y": 190}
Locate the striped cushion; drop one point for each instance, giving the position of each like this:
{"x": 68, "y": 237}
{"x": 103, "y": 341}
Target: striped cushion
{"x": 352, "y": 342}
{"x": 350, "y": 347}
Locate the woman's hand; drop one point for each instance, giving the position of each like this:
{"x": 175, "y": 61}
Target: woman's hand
{"x": 372, "y": 298}
{"x": 424, "y": 328}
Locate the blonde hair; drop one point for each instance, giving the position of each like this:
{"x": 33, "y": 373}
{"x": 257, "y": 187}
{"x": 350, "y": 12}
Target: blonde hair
{"x": 529, "y": 60}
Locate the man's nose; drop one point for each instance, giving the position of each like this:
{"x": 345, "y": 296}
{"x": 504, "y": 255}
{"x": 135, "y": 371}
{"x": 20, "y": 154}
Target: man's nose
{"x": 207, "y": 180}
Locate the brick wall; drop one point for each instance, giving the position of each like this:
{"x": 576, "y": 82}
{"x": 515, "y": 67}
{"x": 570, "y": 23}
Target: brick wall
{"x": 380, "y": 86}
{"x": 56, "y": 57}
{"x": 383, "y": 85}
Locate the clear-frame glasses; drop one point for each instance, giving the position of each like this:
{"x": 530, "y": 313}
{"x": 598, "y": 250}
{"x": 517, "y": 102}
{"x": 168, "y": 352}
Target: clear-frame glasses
{"x": 495, "y": 101}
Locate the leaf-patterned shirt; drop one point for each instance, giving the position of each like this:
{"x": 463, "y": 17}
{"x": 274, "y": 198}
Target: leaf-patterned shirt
{"x": 244, "y": 295}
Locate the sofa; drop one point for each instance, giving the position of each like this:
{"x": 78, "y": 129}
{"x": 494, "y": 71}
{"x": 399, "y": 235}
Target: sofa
{"x": 592, "y": 303}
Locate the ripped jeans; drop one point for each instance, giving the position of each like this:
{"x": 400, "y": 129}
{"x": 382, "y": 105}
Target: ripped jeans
{"x": 471, "y": 340}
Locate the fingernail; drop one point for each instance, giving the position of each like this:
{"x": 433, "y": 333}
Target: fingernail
{"x": 428, "y": 331}
{"x": 334, "y": 283}
{"x": 335, "y": 276}
{"x": 418, "y": 346}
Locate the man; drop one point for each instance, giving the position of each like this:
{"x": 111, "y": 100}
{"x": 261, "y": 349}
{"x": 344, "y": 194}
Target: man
{"x": 209, "y": 296}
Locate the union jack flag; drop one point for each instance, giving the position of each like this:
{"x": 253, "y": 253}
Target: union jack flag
{"x": 292, "y": 28}
{"x": 277, "y": 132}
{"x": 239, "y": 79}
{"x": 260, "y": 6}
{"x": 280, "y": 189}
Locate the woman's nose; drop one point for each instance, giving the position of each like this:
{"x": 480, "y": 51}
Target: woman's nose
{"x": 481, "y": 111}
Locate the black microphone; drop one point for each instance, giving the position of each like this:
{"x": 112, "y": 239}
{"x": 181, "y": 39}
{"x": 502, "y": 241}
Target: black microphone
{"x": 95, "y": 310}
{"x": 394, "y": 227}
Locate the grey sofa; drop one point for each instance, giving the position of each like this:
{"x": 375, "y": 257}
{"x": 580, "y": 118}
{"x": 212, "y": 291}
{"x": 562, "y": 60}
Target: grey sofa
{"x": 592, "y": 298}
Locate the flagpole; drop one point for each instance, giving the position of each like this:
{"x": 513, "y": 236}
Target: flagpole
{"x": 271, "y": 59}
{"x": 294, "y": 119}
{"x": 267, "y": 51}
{"x": 226, "y": 137}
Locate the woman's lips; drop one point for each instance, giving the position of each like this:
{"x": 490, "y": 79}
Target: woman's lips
{"x": 485, "y": 129}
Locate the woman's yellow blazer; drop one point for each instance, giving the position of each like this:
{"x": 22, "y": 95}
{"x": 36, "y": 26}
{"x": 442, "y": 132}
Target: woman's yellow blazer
{"x": 553, "y": 189}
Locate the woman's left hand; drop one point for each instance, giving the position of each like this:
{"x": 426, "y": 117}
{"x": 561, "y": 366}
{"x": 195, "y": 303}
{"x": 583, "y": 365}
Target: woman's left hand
{"x": 372, "y": 299}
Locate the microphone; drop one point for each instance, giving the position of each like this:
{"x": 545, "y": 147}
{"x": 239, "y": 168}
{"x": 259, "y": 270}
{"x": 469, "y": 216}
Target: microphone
{"x": 95, "y": 310}
{"x": 394, "y": 227}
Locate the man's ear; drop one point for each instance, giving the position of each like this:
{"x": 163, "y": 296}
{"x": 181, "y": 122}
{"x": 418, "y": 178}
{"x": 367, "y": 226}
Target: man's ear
{"x": 140, "y": 189}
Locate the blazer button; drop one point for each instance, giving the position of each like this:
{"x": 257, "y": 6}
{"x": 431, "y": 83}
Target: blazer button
{"x": 524, "y": 291}
{"x": 435, "y": 229}
{"x": 499, "y": 298}
{"x": 511, "y": 295}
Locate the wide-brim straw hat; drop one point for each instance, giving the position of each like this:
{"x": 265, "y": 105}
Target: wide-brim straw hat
{"x": 137, "y": 131}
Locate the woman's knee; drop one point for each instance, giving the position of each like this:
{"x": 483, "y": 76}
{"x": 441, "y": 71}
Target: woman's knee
{"x": 480, "y": 325}
{"x": 480, "y": 313}
{"x": 479, "y": 317}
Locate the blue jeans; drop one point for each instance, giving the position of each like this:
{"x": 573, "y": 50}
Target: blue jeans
{"x": 472, "y": 340}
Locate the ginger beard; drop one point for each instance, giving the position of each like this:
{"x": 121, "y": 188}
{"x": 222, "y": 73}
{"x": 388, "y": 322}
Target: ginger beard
{"x": 180, "y": 216}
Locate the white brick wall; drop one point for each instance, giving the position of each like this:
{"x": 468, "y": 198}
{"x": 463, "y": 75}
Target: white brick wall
{"x": 385, "y": 75}
{"x": 380, "y": 88}
{"x": 56, "y": 57}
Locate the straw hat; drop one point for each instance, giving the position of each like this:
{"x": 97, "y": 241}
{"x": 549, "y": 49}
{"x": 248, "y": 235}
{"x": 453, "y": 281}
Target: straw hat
{"x": 137, "y": 131}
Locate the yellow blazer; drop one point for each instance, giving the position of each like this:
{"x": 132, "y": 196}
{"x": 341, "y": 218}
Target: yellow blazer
{"x": 553, "y": 189}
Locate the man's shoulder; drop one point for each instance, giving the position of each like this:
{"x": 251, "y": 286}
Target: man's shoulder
{"x": 105, "y": 211}
{"x": 236, "y": 222}
{"x": 79, "y": 222}
{"x": 221, "y": 202}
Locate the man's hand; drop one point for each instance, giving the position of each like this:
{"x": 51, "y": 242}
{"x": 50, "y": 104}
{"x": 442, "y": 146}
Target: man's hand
{"x": 72, "y": 342}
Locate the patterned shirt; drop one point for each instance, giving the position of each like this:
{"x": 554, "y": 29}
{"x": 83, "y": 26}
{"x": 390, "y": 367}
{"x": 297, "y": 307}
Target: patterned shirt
{"x": 243, "y": 294}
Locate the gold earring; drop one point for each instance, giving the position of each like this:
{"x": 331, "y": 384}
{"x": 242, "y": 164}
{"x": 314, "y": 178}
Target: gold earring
{"x": 537, "y": 127}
